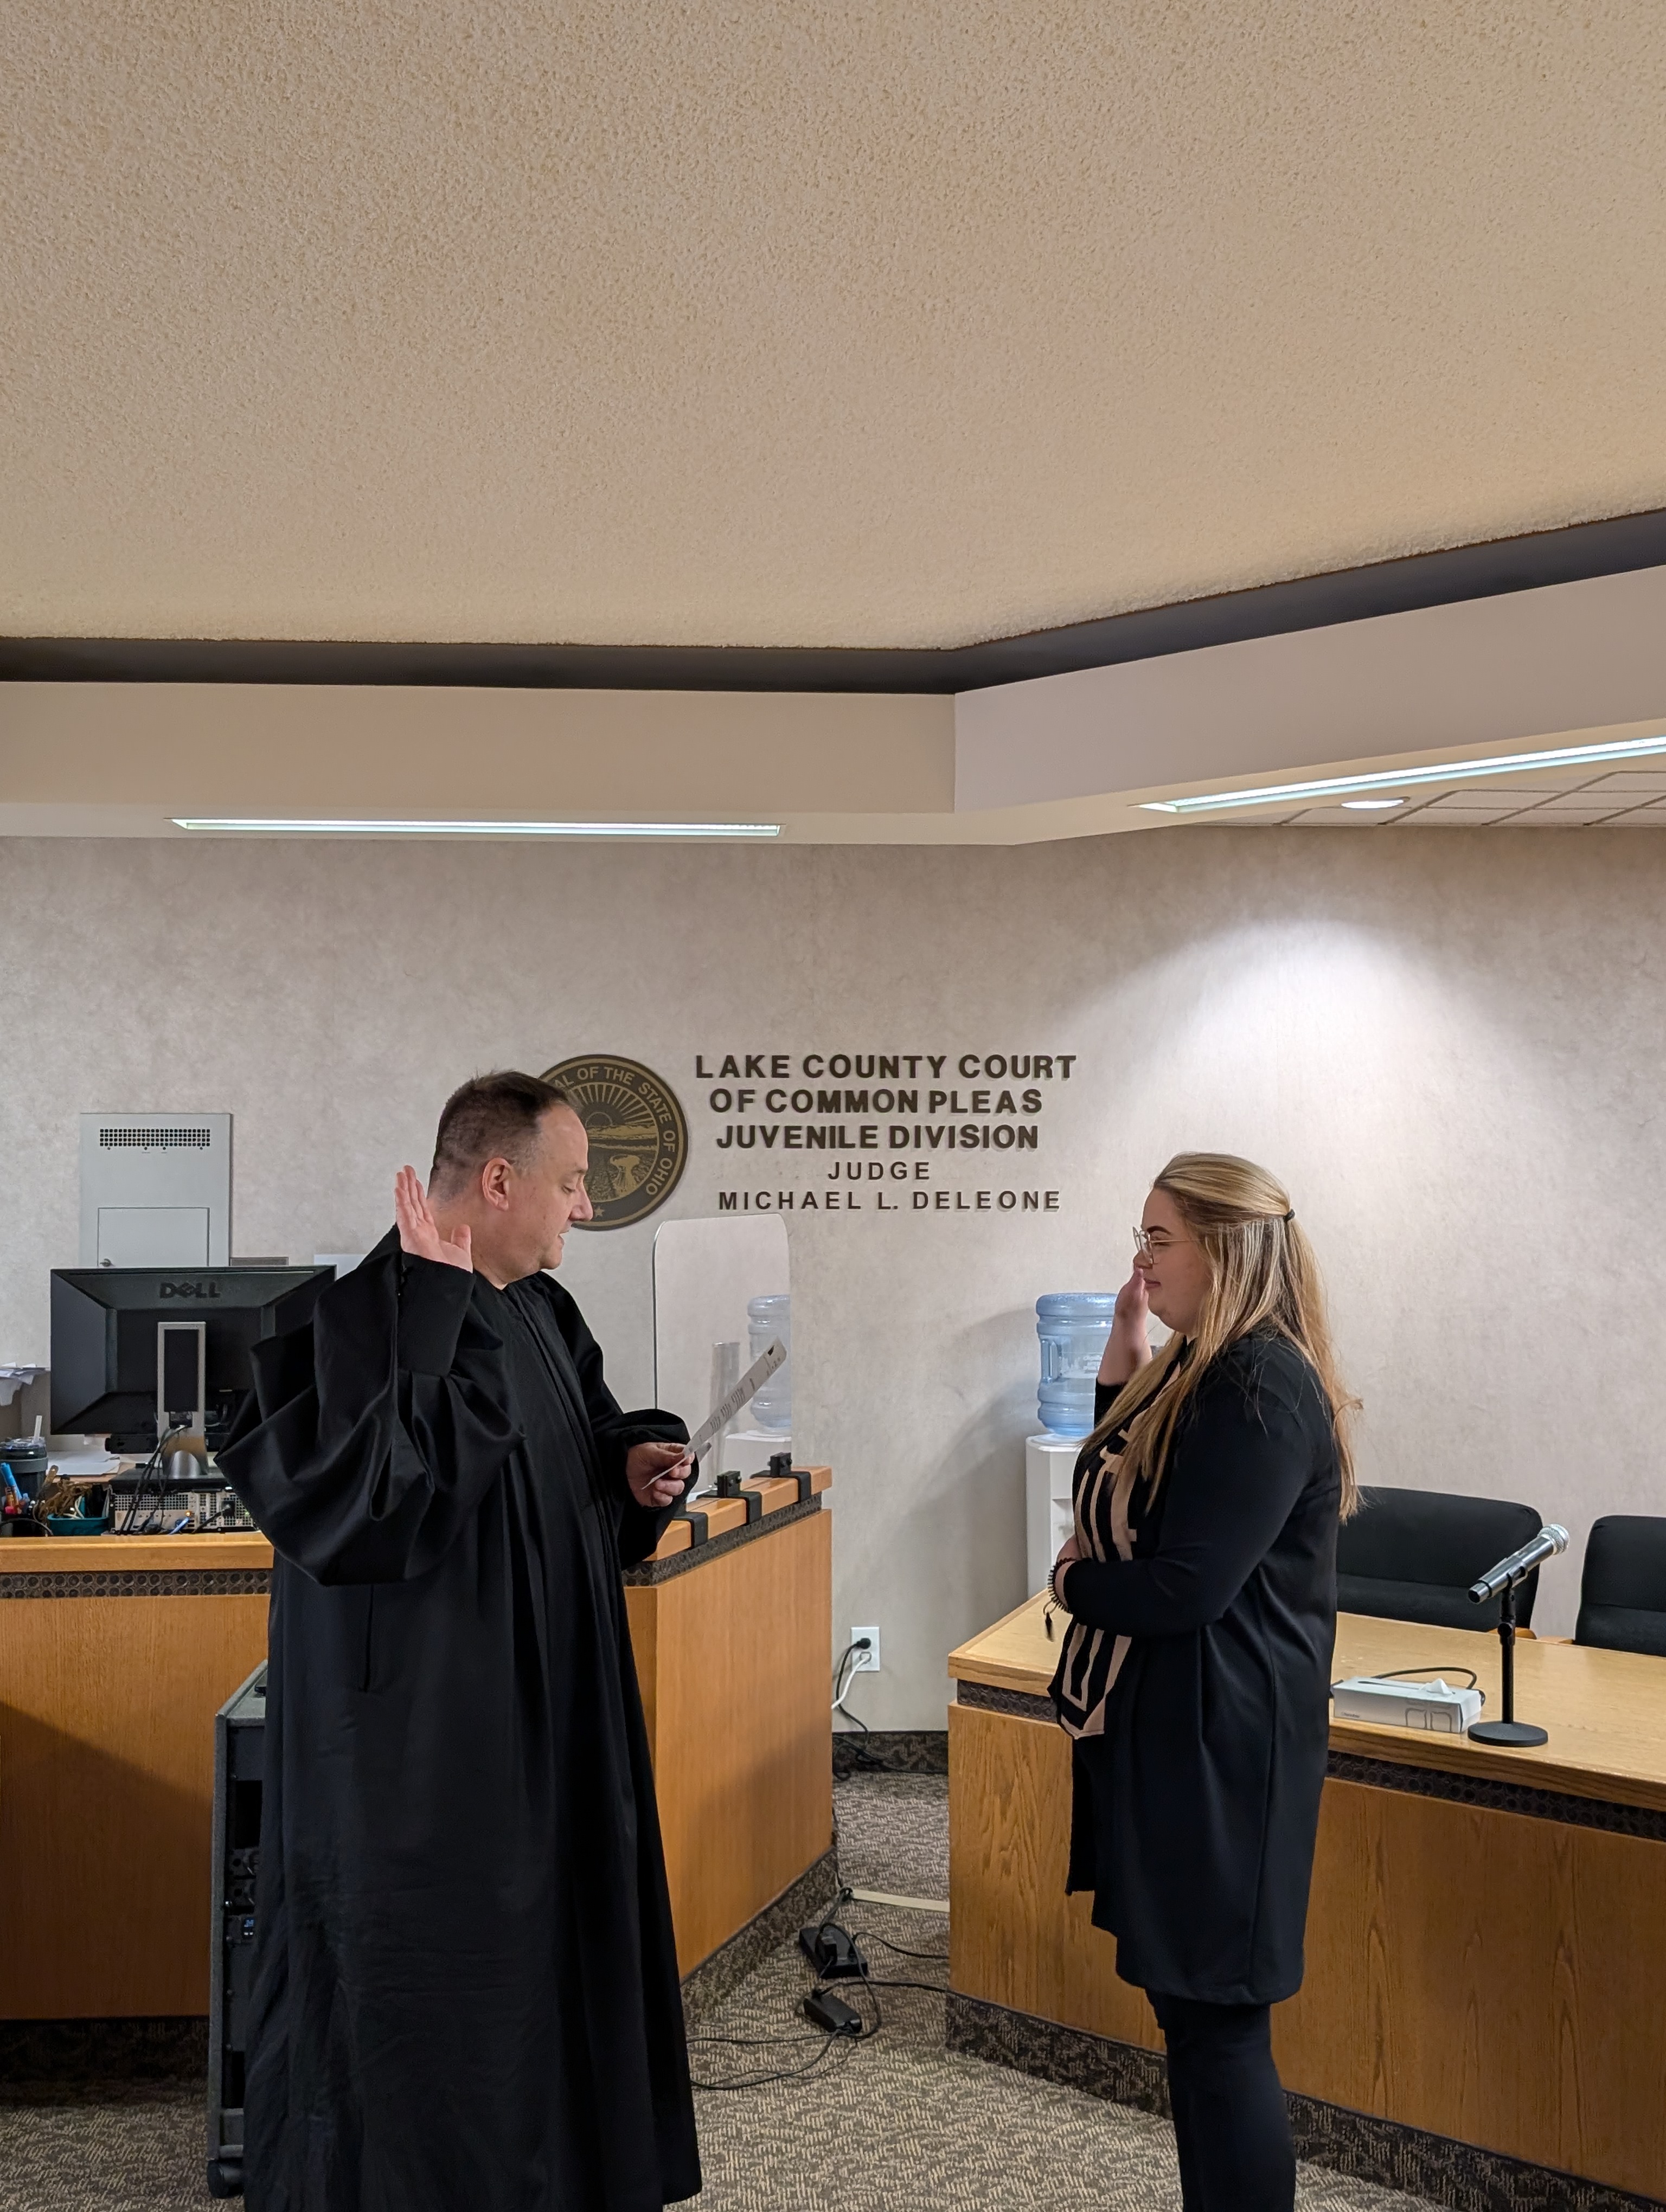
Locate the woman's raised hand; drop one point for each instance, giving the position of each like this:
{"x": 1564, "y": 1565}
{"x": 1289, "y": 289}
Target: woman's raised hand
{"x": 1128, "y": 1346}
{"x": 1133, "y": 1306}
{"x": 419, "y": 1232}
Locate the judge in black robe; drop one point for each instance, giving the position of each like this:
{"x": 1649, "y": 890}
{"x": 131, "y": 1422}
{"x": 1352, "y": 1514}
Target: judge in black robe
{"x": 466, "y": 1996}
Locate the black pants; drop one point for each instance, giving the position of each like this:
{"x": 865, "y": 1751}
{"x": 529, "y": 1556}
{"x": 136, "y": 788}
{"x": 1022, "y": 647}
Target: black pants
{"x": 1231, "y": 2122}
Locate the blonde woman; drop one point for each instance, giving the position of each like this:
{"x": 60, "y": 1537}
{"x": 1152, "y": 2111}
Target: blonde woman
{"x": 1201, "y": 1584}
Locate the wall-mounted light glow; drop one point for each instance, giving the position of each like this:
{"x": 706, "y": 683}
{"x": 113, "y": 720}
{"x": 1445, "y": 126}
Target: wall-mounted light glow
{"x": 1370, "y": 805}
{"x": 1331, "y": 786}
{"x": 273, "y": 827}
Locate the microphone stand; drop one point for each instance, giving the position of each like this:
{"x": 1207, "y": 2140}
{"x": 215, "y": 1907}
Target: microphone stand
{"x": 1508, "y": 1731}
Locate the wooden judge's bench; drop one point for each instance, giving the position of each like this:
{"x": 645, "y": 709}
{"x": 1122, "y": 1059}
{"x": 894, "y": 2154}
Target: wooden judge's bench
{"x": 733, "y": 1628}
{"x": 116, "y": 1652}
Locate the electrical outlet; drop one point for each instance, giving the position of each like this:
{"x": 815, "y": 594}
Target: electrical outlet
{"x": 866, "y": 1662}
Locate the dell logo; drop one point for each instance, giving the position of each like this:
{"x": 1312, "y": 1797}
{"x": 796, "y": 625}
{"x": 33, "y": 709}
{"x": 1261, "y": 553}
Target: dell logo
{"x": 189, "y": 1290}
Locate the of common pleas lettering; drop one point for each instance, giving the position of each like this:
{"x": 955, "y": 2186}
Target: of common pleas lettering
{"x": 777, "y": 1099}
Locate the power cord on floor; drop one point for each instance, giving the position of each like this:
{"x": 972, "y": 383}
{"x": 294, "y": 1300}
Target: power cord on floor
{"x": 833, "y": 1954}
{"x": 825, "y": 2006}
{"x": 872, "y": 1936}
{"x": 826, "y": 2042}
{"x": 831, "y": 2038}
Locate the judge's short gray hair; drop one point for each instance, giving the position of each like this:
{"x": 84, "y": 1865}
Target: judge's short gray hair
{"x": 490, "y": 1117}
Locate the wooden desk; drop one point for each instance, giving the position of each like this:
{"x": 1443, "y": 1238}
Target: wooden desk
{"x": 1486, "y": 1939}
{"x": 115, "y": 1654}
{"x": 116, "y": 1651}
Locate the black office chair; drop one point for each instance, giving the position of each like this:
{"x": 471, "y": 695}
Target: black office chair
{"x": 1412, "y": 1555}
{"x": 1622, "y": 1589}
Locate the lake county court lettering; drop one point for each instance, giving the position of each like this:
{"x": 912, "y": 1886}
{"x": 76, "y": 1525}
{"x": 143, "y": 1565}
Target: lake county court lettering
{"x": 918, "y": 1103}
{"x": 823, "y": 1101}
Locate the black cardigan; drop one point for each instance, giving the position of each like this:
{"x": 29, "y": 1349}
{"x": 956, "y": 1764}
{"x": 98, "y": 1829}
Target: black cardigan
{"x": 1196, "y": 1811}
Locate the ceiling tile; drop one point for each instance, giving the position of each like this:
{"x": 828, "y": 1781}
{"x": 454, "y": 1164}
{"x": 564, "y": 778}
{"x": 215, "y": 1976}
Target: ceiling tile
{"x": 1562, "y": 817}
{"x": 1435, "y": 819}
{"x": 1582, "y": 804}
{"x": 1486, "y": 802}
{"x": 1342, "y": 817}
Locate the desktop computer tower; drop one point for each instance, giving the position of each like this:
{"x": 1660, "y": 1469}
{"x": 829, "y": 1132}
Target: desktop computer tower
{"x": 240, "y": 1758}
{"x": 156, "y": 1190}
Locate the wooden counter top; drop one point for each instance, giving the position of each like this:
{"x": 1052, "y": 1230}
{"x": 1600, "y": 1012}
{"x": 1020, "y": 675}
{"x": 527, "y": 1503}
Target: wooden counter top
{"x": 103, "y": 1555}
{"x": 722, "y": 1515}
{"x": 1605, "y": 1710}
{"x": 1015, "y": 1654}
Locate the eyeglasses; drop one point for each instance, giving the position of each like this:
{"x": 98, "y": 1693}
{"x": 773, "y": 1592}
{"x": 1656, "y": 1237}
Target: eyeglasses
{"x": 1147, "y": 1247}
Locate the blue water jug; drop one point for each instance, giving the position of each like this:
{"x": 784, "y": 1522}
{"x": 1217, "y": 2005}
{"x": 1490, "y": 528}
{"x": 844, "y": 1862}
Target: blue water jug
{"x": 1072, "y": 1326}
{"x": 768, "y": 1318}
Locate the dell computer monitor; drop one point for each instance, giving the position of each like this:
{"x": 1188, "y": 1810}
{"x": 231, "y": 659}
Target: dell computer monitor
{"x": 132, "y": 1343}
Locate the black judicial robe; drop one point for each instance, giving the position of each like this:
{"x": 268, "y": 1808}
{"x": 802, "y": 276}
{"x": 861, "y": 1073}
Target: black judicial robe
{"x": 1196, "y": 1810}
{"x": 466, "y": 1996}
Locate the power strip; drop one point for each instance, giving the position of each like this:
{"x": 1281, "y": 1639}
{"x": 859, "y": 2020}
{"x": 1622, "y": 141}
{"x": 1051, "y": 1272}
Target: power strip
{"x": 823, "y": 2009}
{"x": 833, "y": 1953}
{"x": 1435, "y": 1708}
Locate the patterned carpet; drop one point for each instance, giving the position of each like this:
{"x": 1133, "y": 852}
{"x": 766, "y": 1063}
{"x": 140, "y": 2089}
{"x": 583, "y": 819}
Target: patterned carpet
{"x": 898, "y": 2124}
{"x": 138, "y": 2154}
{"x": 894, "y": 2123}
{"x": 894, "y": 1836}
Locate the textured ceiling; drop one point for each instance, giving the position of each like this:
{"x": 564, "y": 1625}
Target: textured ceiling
{"x": 867, "y": 323}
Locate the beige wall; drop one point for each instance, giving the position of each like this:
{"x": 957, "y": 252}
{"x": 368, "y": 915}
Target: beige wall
{"x": 1448, "y": 1042}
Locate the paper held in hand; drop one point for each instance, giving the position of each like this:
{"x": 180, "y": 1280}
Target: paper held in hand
{"x": 742, "y": 1395}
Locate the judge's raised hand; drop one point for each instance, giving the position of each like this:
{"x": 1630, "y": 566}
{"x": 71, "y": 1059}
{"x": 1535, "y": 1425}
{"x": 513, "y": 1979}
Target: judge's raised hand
{"x": 656, "y": 1474}
{"x": 419, "y": 1232}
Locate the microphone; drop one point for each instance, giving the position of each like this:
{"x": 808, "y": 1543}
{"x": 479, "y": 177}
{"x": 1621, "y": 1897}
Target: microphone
{"x": 1550, "y": 1540}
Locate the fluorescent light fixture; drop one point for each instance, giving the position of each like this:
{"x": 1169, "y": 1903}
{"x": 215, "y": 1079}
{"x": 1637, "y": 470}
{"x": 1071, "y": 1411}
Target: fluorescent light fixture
{"x": 272, "y": 826}
{"x": 1370, "y": 805}
{"x": 1332, "y": 787}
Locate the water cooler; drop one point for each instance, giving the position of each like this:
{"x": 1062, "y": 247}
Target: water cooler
{"x": 1049, "y": 1461}
{"x": 1073, "y": 1327}
{"x": 768, "y": 1420}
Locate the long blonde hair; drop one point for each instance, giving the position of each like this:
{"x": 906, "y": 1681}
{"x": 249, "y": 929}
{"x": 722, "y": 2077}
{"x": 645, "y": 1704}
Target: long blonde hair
{"x": 1263, "y": 1275}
